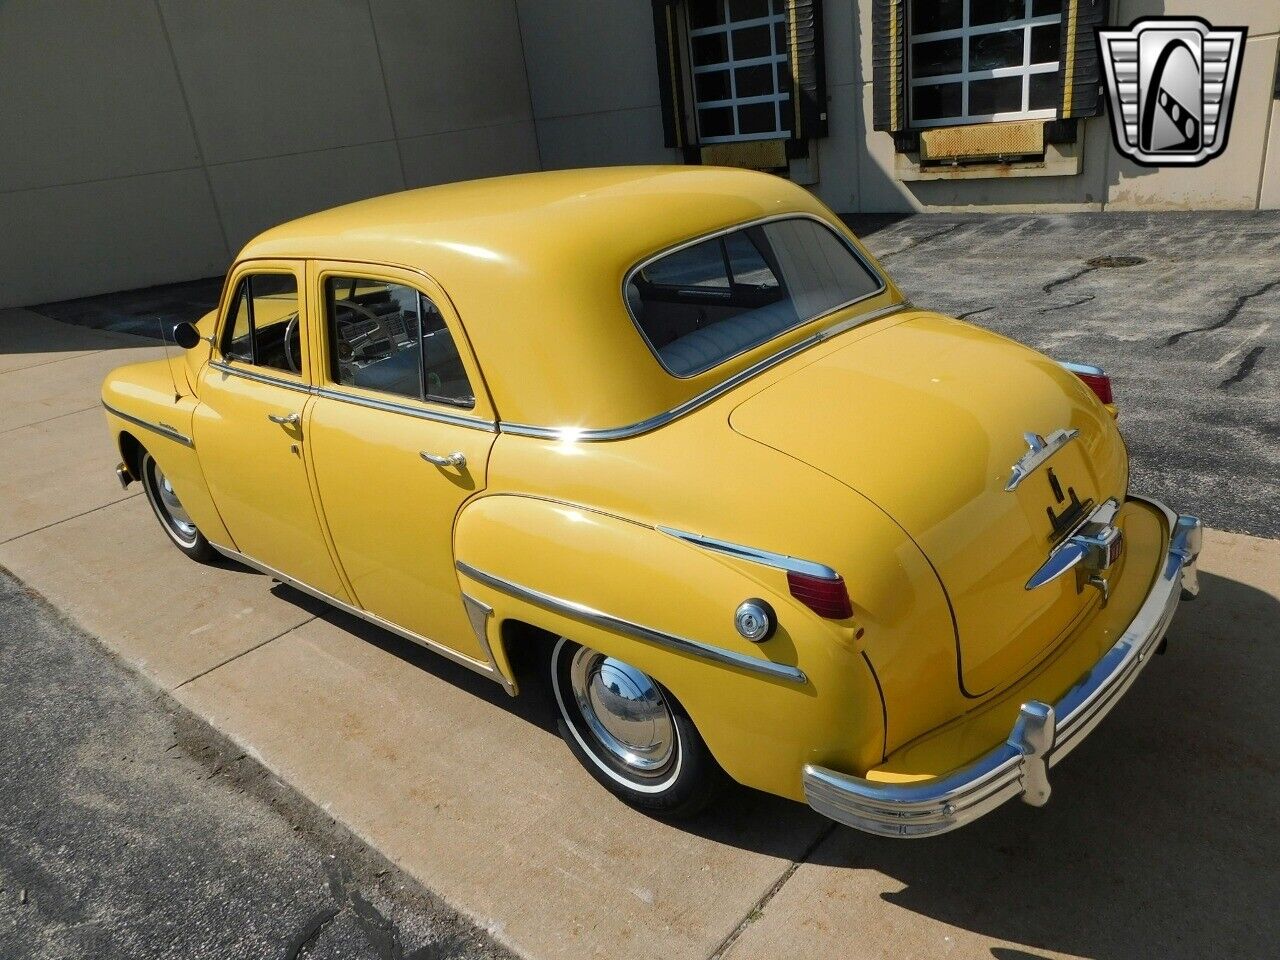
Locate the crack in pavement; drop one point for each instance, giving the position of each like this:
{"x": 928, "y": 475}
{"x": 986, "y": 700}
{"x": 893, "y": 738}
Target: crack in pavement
{"x": 1066, "y": 306}
{"x": 1061, "y": 280}
{"x": 973, "y": 313}
{"x": 1228, "y": 316}
{"x": 309, "y": 932}
{"x": 1246, "y": 367}
{"x": 918, "y": 241}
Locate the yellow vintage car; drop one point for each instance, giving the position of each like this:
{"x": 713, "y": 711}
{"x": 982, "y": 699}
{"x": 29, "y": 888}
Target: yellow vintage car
{"x": 667, "y": 445}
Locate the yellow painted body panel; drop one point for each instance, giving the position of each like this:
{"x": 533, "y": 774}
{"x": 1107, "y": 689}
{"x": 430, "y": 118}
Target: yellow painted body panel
{"x": 880, "y": 451}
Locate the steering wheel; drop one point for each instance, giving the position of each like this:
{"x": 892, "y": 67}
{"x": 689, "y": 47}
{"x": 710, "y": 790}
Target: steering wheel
{"x": 361, "y": 341}
{"x": 290, "y": 329}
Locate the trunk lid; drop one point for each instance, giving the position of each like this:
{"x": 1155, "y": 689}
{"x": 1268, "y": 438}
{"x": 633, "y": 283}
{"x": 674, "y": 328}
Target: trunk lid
{"x": 926, "y": 419}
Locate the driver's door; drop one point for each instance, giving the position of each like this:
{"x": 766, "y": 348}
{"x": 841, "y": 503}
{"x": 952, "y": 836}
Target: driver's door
{"x": 250, "y": 427}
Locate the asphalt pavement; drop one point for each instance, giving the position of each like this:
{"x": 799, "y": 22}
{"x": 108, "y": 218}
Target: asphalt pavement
{"x": 130, "y": 829}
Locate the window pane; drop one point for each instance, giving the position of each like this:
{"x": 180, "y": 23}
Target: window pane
{"x": 751, "y": 42}
{"x": 928, "y": 16}
{"x": 705, "y": 13}
{"x": 987, "y": 51}
{"x": 711, "y": 86}
{"x": 716, "y": 122}
{"x": 780, "y": 38}
{"x": 748, "y": 9}
{"x": 272, "y": 306}
{"x": 446, "y": 378}
{"x": 1002, "y": 95}
{"x": 710, "y": 48}
{"x": 1045, "y": 90}
{"x": 784, "y": 76}
{"x": 935, "y": 101}
{"x": 238, "y": 342}
{"x": 995, "y": 11}
{"x": 754, "y": 81}
{"x": 1045, "y": 8}
{"x": 937, "y": 57}
{"x": 374, "y": 335}
{"x": 691, "y": 331}
{"x": 1045, "y": 42}
{"x": 757, "y": 118}
{"x": 701, "y": 265}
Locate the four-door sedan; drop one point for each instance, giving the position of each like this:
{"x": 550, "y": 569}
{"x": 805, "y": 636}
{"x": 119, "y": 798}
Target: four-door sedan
{"x": 668, "y": 445}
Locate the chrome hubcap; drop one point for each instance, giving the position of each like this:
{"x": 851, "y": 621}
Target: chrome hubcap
{"x": 624, "y": 710}
{"x": 171, "y": 506}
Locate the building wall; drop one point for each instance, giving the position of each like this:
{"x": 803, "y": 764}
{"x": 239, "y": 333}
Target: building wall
{"x": 146, "y": 140}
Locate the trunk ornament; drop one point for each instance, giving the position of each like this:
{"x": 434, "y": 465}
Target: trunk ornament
{"x": 1096, "y": 544}
{"x": 1041, "y": 449}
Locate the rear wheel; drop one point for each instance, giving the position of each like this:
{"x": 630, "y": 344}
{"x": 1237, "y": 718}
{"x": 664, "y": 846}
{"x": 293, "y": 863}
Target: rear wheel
{"x": 631, "y": 734}
{"x": 173, "y": 517}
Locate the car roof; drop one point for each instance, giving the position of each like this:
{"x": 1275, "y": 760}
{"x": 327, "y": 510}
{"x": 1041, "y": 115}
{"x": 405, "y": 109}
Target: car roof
{"x": 534, "y": 264}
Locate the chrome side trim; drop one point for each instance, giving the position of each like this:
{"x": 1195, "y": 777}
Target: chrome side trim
{"x": 479, "y": 613}
{"x": 226, "y": 368}
{"x": 769, "y": 559}
{"x": 725, "y": 231}
{"x": 1041, "y": 449}
{"x": 489, "y": 670}
{"x": 578, "y": 611}
{"x": 457, "y": 419}
{"x": 161, "y": 428}
{"x": 711, "y": 393}
{"x": 1088, "y": 369}
{"x": 1041, "y": 736}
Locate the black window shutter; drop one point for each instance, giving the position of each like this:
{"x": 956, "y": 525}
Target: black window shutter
{"x": 888, "y": 65}
{"x": 808, "y": 69}
{"x": 670, "y": 73}
{"x": 1081, "y": 68}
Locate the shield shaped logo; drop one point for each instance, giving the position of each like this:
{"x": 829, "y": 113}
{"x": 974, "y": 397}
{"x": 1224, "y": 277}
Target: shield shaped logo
{"x": 1172, "y": 85}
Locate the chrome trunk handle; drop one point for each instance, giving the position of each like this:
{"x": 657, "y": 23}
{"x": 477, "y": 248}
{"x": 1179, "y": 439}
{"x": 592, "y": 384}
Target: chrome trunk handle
{"x": 455, "y": 459}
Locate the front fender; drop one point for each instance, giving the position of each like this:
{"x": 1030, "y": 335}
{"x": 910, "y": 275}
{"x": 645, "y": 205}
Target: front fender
{"x": 630, "y": 591}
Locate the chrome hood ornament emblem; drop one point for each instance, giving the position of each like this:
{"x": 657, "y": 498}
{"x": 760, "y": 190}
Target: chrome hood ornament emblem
{"x": 1041, "y": 449}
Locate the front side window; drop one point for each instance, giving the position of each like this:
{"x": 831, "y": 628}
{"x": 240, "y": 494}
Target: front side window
{"x": 390, "y": 338}
{"x": 741, "y": 71}
{"x": 975, "y": 61}
{"x": 712, "y": 300}
{"x": 262, "y": 326}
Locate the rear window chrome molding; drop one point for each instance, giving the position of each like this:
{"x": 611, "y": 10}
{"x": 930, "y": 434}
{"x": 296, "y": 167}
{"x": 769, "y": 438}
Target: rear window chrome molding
{"x": 723, "y": 232}
{"x": 329, "y": 393}
{"x": 711, "y": 393}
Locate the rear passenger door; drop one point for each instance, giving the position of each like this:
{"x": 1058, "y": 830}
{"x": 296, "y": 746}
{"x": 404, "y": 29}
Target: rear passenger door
{"x": 400, "y": 435}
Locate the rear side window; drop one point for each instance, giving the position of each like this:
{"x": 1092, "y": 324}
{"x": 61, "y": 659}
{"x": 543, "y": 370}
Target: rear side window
{"x": 263, "y": 327}
{"x": 390, "y": 338}
{"x": 710, "y": 301}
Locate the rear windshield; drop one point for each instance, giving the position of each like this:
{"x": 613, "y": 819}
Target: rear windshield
{"x": 705, "y": 303}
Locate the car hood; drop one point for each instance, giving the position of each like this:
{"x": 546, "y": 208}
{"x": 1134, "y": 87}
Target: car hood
{"x": 926, "y": 419}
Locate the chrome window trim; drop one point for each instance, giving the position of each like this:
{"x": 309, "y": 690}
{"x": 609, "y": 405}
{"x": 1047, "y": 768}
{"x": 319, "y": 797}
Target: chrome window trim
{"x": 489, "y": 669}
{"x": 725, "y": 231}
{"x": 161, "y": 428}
{"x": 224, "y": 367}
{"x": 375, "y": 403}
{"x": 766, "y": 557}
{"x": 711, "y": 393}
{"x": 585, "y": 614}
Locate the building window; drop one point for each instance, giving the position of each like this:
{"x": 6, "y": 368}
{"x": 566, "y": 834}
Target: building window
{"x": 741, "y": 72}
{"x": 977, "y": 61}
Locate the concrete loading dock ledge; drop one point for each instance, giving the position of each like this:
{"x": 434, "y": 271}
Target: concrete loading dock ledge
{"x": 474, "y": 796}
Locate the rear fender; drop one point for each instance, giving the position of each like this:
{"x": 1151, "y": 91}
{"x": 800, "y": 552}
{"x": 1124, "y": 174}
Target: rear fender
{"x": 595, "y": 578}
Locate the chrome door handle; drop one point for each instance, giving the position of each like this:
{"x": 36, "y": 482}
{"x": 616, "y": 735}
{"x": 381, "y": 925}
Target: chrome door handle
{"x": 290, "y": 419}
{"x": 455, "y": 459}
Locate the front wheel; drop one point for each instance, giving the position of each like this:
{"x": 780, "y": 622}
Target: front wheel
{"x": 175, "y": 520}
{"x": 630, "y": 734}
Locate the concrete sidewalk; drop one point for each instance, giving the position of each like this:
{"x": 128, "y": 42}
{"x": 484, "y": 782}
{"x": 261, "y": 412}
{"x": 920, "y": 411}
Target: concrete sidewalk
{"x": 1161, "y": 838}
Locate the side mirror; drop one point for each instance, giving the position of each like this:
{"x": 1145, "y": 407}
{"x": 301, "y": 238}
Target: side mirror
{"x": 186, "y": 335}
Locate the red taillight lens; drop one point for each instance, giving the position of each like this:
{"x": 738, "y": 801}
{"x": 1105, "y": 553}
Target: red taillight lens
{"x": 1099, "y": 383}
{"x": 827, "y": 598}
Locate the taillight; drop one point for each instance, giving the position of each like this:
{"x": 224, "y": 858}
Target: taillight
{"x": 825, "y": 597}
{"x": 1094, "y": 379}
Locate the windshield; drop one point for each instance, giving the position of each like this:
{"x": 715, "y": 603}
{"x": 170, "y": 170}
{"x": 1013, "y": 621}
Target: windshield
{"x": 705, "y": 303}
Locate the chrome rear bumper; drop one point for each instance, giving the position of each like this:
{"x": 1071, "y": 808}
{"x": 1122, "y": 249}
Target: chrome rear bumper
{"x": 1042, "y": 735}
